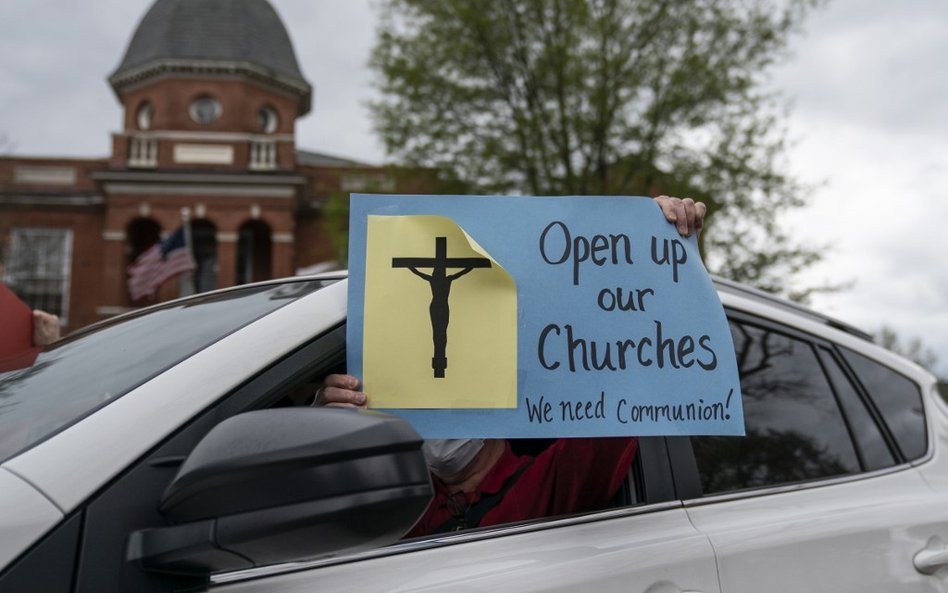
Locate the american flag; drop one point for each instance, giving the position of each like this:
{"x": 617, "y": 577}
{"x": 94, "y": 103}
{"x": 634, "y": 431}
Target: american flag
{"x": 161, "y": 261}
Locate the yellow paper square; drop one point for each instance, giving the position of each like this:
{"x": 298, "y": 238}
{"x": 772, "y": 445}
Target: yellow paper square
{"x": 398, "y": 347}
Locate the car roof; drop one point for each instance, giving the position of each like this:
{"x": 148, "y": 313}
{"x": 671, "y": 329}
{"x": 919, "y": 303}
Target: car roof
{"x": 736, "y": 288}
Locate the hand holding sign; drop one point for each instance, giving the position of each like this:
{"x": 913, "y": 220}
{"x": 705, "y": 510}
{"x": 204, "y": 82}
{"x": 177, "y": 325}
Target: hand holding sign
{"x": 687, "y": 214}
{"x": 340, "y": 391}
{"x": 588, "y": 317}
{"x": 594, "y": 466}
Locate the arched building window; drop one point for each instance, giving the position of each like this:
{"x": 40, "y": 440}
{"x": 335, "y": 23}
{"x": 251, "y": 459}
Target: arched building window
{"x": 204, "y": 244}
{"x": 253, "y": 252}
{"x": 140, "y": 234}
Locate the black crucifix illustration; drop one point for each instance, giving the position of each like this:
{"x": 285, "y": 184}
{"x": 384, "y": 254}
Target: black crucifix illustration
{"x": 440, "y": 282}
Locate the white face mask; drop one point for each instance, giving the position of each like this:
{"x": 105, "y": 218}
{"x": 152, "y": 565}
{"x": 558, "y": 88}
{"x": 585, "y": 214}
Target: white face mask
{"x": 447, "y": 457}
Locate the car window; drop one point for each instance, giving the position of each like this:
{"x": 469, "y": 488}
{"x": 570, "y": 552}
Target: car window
{"x": 873, "y": 449}
{"x": 897, "y": 398}
{"x": 795, "y": 430}
{"x": 81, "y": 373}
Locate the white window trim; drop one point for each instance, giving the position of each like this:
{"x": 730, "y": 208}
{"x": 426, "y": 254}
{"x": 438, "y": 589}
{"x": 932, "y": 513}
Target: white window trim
{"x": 66, "y": 271}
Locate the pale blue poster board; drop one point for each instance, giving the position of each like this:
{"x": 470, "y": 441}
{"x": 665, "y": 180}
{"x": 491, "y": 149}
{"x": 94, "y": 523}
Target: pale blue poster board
{"x": 664, "y": 365}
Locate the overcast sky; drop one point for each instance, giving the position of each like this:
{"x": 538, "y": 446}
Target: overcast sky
{"x": 867, "y": 82}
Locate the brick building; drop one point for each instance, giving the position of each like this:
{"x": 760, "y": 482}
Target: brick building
{"x": 211, "y": 92}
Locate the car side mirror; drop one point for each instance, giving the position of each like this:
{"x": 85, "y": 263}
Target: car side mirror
{"x": 288, "y": 484}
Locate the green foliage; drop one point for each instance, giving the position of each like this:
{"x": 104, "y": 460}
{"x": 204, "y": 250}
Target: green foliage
{"x": 576, "y": 97}
{"x": 336, "y": 212}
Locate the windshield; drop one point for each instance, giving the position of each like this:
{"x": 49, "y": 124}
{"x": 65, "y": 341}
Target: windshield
{"x": 79, "y": 374}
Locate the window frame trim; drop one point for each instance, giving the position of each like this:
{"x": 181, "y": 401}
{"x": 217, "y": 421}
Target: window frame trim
{"x": 445, "y": 540}
{"x": 850, "y": 374}
{"x": 794, "y": 487}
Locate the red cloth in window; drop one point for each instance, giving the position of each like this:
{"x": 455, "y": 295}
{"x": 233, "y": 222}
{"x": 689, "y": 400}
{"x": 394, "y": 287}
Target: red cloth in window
{"x": 16, "y": 332}
{"x": 570, "y": 476}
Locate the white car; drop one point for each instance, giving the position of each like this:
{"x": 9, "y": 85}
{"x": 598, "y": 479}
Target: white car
{"x": 141, "y": 455}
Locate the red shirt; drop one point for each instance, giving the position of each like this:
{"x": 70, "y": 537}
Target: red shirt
{"x": 570, "y": 476}
{"x": 16, "y": 320}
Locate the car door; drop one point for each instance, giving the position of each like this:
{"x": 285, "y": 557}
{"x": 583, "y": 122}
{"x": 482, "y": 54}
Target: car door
{"x": 821, "y": 495}
{"x": 645, "y": 544}
{"x": 652, "y": 548}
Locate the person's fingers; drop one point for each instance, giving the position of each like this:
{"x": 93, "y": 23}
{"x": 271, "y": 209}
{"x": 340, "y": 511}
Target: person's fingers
{"x": 340, "y": 391}
{"x": 673, "y": 211}
{"x": 342, "y": 396}
{"x": 686, "y": 214}
{"x": 690, "y": 215}
{"x": 700, "y": 211}
{"x": 342, "y": 381}
{"x": 681, "y": 217}
{"x": 664, "y": 202}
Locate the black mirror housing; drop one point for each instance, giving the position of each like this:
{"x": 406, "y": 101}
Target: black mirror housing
{"x": 288, "y": 484}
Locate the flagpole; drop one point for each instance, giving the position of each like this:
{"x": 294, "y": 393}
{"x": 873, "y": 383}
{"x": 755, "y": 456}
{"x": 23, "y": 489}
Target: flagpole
{"x": 186, "y": 224}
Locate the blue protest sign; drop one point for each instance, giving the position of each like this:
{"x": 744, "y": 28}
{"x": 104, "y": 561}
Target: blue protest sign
{"x": 536, "y": 317}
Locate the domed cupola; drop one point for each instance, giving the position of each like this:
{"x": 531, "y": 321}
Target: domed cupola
{"x": 209, "y": 38}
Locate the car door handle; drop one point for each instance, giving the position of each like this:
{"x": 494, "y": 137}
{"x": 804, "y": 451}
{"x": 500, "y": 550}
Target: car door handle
{"x": 931, "y": 558}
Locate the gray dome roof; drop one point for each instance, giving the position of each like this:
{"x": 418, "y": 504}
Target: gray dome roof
{"x": 245, "y": 36}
